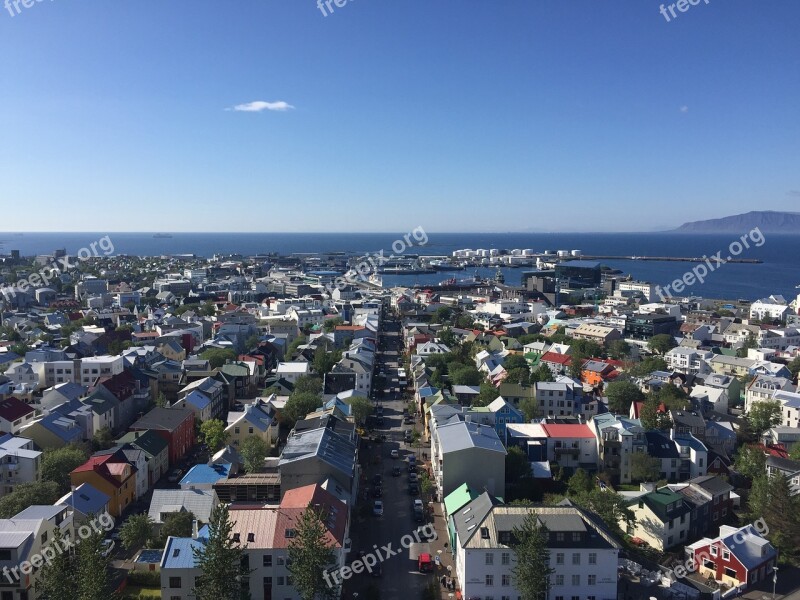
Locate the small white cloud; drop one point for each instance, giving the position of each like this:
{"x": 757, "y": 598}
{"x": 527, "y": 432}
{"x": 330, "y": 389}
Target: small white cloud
{"x": 260, "y": 105}
{"x": 684, "y": 109}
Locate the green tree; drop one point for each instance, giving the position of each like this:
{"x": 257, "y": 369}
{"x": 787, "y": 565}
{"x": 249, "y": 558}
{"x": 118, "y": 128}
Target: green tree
{"x": 576, "y": 362}
{"x": 361, "y": 408}
{"x": 59, "y": 463}
{"x": 93, "y": 579}
{"x": 221, "y": 561}
{"x": 621, "y": 394}
{"x": 645, "y": 467}
{"x": 161, "y": 400}
{"x": 28, "y": 494}
{"x": 299, "y": 405}
{"x": 610, "y": 507}
{"x": 253, "y": 450}
{"x": 57, "y": 576}
{"x": 529, "y": 408}
{"x": 252, "y": 342}
{"x": 487, "y": 394}
{"x": 532, "y": 571}
{"x": 331, "y": 324}
{"x": 794, "y": 367}
{"x": 103, "y": 439}
{"x": 136, "y": 530}
{"x": 542, "y": 373}
{"x": 324, "y": 360}
{"x": 646, "y": 366}
{"x": 794, "y": 453}
{"x": 310, "y": 555}
{"x": 218, "y": 356}
{"x": 619, "y": 349}
{"x": 580, "y": 483}
{"x": 178, "y": 524}
{"x": 749, "y": 343}
{"x": 308, "y": 384}
{"x": 295, "y": 345}
{"x": 650, "y": 417}
{"x": 515, "y": 361}
{"x": 764, "y": 415}
{"x": 213, "y": 433}
{"x": 442, "y": 315}
{"x": 781, "y": 516}
{"x": 517, "y": 464}
{"x": 750, "y": 461}
{"x": 465, "y": 375}
{"x": 519, "y": 376}
{"x": 661, "y": 343}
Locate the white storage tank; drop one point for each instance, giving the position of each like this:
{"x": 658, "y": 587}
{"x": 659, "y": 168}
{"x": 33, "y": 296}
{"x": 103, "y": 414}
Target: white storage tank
{"x": 576, "y": 253}
{"x": 563, "y": 253}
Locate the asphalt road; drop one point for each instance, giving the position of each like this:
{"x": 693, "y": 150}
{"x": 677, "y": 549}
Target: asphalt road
{"x": 400, "y": 577}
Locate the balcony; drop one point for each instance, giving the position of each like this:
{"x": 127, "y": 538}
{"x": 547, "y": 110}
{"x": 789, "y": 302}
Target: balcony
{"x": 564, "y": 450}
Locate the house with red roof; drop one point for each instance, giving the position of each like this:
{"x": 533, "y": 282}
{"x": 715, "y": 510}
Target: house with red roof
{"x": 111, "y": 474}
{"x": 557, "y": 363}
{"x": 571, "y": 446}
{"x": 14, "y": 415}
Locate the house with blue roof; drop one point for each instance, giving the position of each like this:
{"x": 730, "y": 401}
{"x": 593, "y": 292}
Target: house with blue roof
{"x": 85, "y": 501}
{"x": 203, "y": 477}
{"x": 54, "y": 431}
{"x": 259, "y": 419}
{"x": 178, "y": 569}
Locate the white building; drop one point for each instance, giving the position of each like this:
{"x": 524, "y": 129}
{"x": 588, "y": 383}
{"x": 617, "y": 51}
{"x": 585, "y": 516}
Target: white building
{"x": 688, "y": 360}
{"x": 774, "y": 308}
{"x": 19, "y": 462}
{"x": 93, "y": 367}
{"x": 583, "y": 556}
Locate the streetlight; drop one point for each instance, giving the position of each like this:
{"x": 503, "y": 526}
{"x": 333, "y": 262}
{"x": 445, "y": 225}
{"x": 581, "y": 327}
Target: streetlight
{"x": 774, "y": 580}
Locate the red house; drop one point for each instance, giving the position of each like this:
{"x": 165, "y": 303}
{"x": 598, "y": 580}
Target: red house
{"x": 738, "y": 557}
{"x": 175, "y": 425}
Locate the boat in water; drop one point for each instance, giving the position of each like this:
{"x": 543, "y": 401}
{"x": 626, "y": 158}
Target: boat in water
{"x": 160, "y": 236}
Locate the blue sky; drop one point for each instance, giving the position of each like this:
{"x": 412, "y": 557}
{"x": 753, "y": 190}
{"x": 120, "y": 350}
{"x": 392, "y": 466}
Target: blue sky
{"x": 512, "y": 115}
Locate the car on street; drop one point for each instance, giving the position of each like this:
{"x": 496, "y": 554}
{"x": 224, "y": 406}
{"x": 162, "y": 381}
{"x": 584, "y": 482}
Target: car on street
{"x": 413, "y": 489}
{"x": 412, "y": 477}
{"x": 395, "y": 471}
{"x": 417, "y": 504}
{"x": 407, "y": 435}
{"x": 412, "y": 468}
{"x": 377, "y": 492}
{"x": 107, "y": 547}
{"x": 377, "y": 479}
{"x": 377, "y": 508}
{"x": 395, "y": 453}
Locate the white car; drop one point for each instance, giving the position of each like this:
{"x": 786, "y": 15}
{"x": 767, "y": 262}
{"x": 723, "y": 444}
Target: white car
{"x": 108, "y": 547}
{"x": 377, "y": 508}
{"x": 395, "y": 454}
{"x": 418, "y": 504}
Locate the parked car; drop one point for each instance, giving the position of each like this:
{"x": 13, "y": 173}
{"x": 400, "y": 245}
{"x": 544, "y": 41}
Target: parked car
{"x": 377, "y": 479}
{"x": 377, "y": 492}
{"x": 412, "y": 477}
{"x": 395, "y": 453}
{"x": 395, "y": 471}
{"x": 413, "y": 489}
{"x": 174, "y": 475}
{"x": 377, "y": 508}
{"x": 107, "y": 547}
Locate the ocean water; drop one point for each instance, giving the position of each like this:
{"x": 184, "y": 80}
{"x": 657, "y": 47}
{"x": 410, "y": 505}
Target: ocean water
{"x": 778, "y": 274}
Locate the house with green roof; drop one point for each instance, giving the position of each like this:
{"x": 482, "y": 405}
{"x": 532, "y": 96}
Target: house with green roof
{"x": 662, "y": 518}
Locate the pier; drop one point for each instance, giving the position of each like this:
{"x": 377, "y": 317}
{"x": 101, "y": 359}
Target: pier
{"x": 699, "y": 259}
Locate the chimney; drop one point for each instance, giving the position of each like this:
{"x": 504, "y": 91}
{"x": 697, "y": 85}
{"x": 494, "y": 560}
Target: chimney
{"x": 195, "y": 532}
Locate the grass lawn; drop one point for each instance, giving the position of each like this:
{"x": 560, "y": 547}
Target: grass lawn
{"x": 133, "y": 591}
{"x": 627, "y": 487}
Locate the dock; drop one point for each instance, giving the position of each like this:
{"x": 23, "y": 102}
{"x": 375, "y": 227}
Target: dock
{"x": 697, "y": 259}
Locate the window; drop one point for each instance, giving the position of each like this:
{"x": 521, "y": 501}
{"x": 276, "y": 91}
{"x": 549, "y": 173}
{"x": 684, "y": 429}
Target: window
{"x": 576, "y": 536}
{"x": 267, "y": 561}
{"x": 506, "y": 580}
{"x": 592, "y": 558}
{"x": 576, "y": 580}
{"x": 592, "y": 579}
{"x": 280, "y": 561}
{"x": 576, "y": 558}
{"x": 505, "y": 558}
{"x": 44, "y": 537}
{"x": 175, "y": 582}
{"x": 560, "y": 536}
{"x": 730, "y": 572}
{"x": 726, "y": 555}
{"x": 560, "y": 558}
{"x": 713, "y": 550}
{"x": 559, "y": 580}
{"x": 490, "y": 580}
{"x": 5, "y": 554}
{"x": 280, "y": 580}
{"x": 489, "y": 558}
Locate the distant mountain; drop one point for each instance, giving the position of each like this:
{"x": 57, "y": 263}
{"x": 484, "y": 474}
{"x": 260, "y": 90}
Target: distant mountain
{"x": 768, "y": 221}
